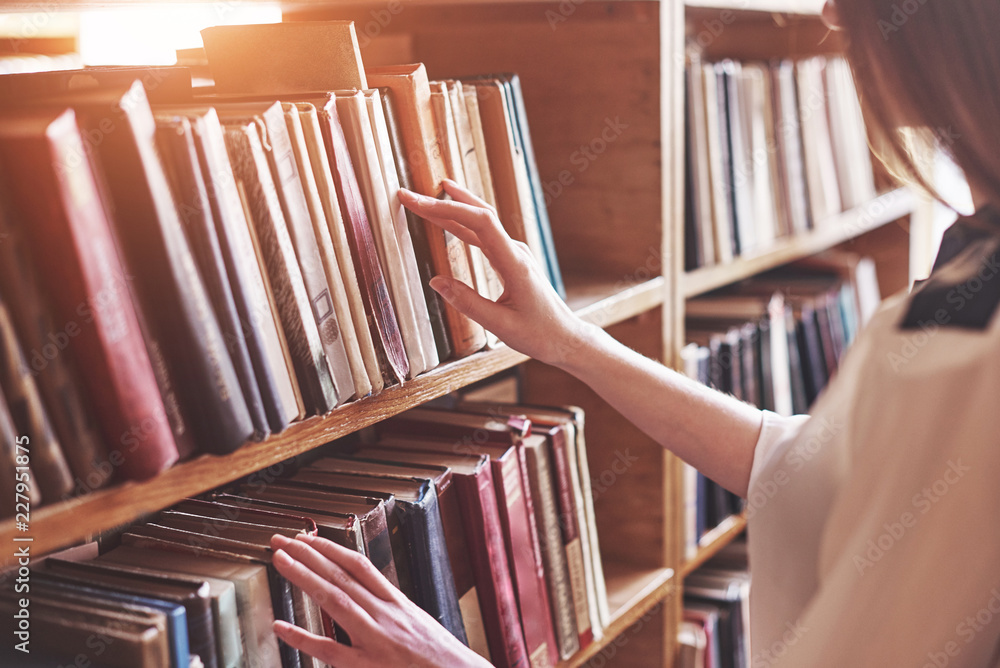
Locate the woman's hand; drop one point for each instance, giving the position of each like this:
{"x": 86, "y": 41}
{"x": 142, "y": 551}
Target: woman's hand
{"x": 387, "y": 630}
{"x": 529, "y": 316}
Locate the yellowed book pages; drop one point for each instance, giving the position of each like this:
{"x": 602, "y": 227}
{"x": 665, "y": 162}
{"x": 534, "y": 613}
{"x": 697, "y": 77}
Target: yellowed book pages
{"x": 356, "y": 121}
{"x": 328, "y": 256}
{"x": 338, "y": 235}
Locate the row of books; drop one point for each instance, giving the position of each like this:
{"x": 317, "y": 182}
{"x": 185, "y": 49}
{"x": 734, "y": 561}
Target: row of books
{"x": 481, "y": 515}
{"x": 773, "y": 149}
{"x": 715, "y": 631}
{"x": 182, "y": 271}
{"x": 774, "y": 341}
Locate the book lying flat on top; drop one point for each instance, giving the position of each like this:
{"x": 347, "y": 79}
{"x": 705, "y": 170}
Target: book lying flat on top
{"x": 290, "y": 57}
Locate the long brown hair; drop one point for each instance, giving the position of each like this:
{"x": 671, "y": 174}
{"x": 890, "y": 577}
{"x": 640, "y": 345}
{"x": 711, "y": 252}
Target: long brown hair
{"x": 933, "y": 65}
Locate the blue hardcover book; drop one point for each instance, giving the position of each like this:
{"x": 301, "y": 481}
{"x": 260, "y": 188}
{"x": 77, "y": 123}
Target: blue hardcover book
{"x": 180, "y": 652}
{"x": 522, "y": 138}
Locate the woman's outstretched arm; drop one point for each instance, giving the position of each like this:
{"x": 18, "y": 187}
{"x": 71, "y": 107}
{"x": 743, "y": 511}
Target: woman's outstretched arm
{"x": 711, "y": 431}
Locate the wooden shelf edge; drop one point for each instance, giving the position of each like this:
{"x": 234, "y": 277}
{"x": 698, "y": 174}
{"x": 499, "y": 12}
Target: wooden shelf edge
{"x": 845, "y": 226}
{"x": 713, "y": 541}
{"x": 803, "y": 7}
{"x": 661, "y": 584}
{"x": 62, "y": 524}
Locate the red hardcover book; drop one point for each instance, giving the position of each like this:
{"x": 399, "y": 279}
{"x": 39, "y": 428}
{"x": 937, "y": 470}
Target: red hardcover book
{"x": 520, "y": 537}
{"x": 67, "y": 227}
{"x": 375, "y": 291}
{"x": 498, "y": 602}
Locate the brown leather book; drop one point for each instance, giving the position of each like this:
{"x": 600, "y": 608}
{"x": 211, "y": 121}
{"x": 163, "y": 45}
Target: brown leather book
{"x": 161, "y": 82}
{"x": 261, "y": 330}
{"x": 124, "y": 638}
{"x": 454, "y": 533}
{"x": 557, "y": 574}
{"x": 193, "y": 595}
{"x": 31, "y": 419}
{"x": 170, "y": 292}
{"x": 253, "y": 597}
{"x": 344, "y": 530}
{"x": 270, "y": 232}
{"x": 277, "y": 145}
{"x": 434, "y": 583}
{"x": 291, "y": 57}
{"x": 255, "y": 527}
{"x": 425, "y": 158}
{"x": 50, "y": 362}
{"x": 369, "y": 511}
{"x": 327, "y": 191}
{"x": 222, "y": 598}
{"x": 304, "y": 156}
{"x": 411, "y": 89}
{"x": 190, "y": 542}
{"x": 176, "y": 143}
{"x": 70, "y": 239}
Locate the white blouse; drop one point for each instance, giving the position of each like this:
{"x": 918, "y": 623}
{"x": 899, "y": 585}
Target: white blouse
{"x": 874, "y": 524}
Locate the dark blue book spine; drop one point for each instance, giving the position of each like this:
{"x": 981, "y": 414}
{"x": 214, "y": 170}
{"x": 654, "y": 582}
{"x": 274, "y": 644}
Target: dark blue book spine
{"x": 433, "y": 580}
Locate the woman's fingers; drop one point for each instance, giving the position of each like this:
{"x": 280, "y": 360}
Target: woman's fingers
{"x": 328, "y": 570}
{"x": 334, "y": 600}
{"x": 477, "y": 218}
{"x": 325, "y": 649}
{"x": 355, "y": 564}
{"x": 460, "y": 194}
{"x": 466, "y": 300}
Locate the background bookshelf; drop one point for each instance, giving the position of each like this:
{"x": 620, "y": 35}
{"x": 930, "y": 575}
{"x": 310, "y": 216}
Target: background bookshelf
{"x": 603, "y": 86}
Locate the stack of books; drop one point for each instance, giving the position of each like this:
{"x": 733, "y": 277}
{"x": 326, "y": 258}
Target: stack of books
{"x": 716, "y": 627}
{"x": 774, "y": 341}
{"x": 183, "y": 270}
{"x": 774, "y": 149}
{"x": 482, "y": 516}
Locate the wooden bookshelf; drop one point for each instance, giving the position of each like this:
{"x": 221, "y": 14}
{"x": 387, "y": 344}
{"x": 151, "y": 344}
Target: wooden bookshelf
{"x": 58, "y": 525}
{"x": 882, "y": 210}
{"x": 633, "y": 594}
{"x": 713, "y": 541}
{"x": 618, "y": 230}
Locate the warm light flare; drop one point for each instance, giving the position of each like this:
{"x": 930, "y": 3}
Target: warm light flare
{"x": 150, "y": 35}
